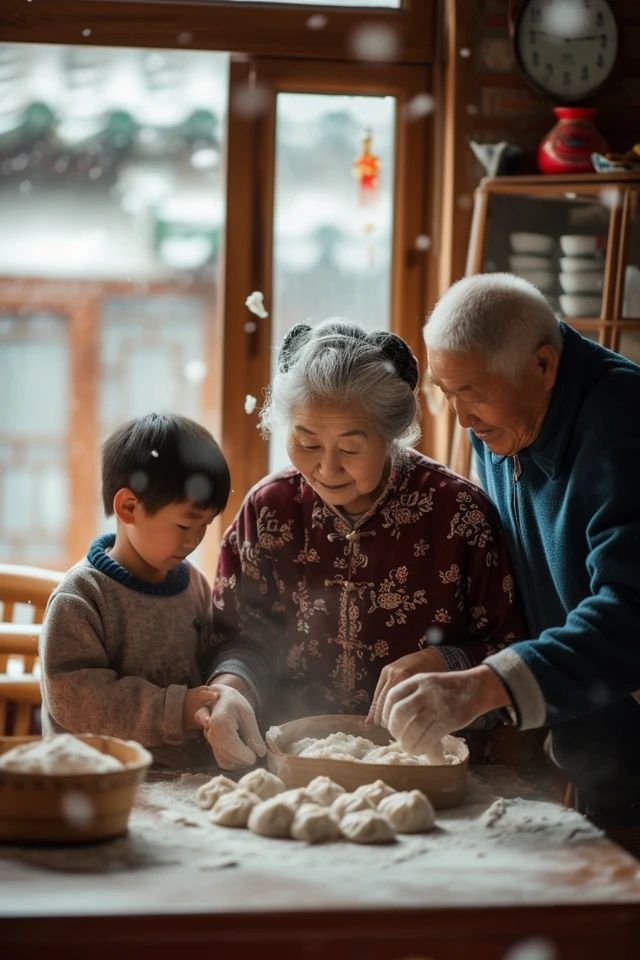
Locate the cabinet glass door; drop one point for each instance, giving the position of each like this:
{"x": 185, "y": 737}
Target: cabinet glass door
{"x": 627, "y": 333}
{"x": 559, "y": 244}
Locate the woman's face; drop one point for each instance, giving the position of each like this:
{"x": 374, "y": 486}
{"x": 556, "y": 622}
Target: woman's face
{"x": 340, "y": 454}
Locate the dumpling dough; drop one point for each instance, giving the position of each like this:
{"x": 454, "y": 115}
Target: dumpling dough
{"x": 337, "y": 746}
{"x": 273, "y": 817}
{"x": 408, "y": 811}
{"x": 367, "y": 826}
{"x": 232, "y": 809}
{"x": 262, "y": 782}
{"x": 208, "y": 794}
{"x": 314, "y": 824}
{"x": 375, "y": 791}
{"x": 324, "y": 790}
{"x": 63, "y": 754}
{"x": 350, "y": 803}
{"x": 295, "y": 797}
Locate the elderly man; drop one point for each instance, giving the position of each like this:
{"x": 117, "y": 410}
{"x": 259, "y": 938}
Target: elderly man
{"x": 553, "y": 419}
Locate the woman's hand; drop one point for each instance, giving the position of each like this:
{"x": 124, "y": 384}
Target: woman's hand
{"x": 420, "y": 711}
{"x": 422, "y": 661}
{"x": 231, "y": 728}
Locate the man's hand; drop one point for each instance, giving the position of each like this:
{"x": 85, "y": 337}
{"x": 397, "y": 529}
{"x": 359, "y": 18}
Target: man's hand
{"x": 422, "y": 661}
{"x": 420, "y": 711}
{"x": 232, "y": 730}
{"x": 195, "y": 712}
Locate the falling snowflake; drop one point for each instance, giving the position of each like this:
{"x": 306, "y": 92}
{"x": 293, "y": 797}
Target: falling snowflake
{"x": 249, "y": 403}
{"x": 255, "y": 303}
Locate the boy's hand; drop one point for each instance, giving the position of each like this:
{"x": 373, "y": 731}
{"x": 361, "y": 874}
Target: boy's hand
{"x": 419, "y": 711}
{"x": 422, "y": 661}
{"x": 232, "y": 730}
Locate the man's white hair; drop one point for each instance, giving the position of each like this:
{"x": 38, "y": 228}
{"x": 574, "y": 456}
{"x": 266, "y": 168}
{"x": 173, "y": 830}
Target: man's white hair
{"x": 497, "y": 314}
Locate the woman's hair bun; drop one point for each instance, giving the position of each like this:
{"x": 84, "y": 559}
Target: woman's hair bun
{"x": 395, "y": 349}
{"x": 293, "y": 340}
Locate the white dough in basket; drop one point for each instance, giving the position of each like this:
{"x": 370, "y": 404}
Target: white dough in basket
{"x": 62, "y": 754}
{"x": 208, "y": 794}
{"x": 262, "y": 782}
{"x": 314, "y": 823}
{"x": 367, "y": 826}
{"x": 232, "y": 809}
{"x": 408, "y": 811}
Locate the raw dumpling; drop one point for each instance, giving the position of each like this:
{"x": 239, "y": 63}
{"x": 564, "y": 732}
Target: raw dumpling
{"x": 367, "y": 826}
{"x": 273, "y": 817}
{"x": 324, "y": 790}
{"x": 337, "y": 746}
{"x": 314, "y": 824}
{"x": 408, "y": 811}
{"x": 350, "y": 803}
{"x": 208, "y": 794}
{"x": 233, "y": 809}
{"x": 375, "y": 791}
{"x": 262, "y": 782}
{"x": 295, "y": 797}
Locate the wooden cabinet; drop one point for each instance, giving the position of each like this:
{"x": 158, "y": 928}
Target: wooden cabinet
{"x": 577, "y": 238}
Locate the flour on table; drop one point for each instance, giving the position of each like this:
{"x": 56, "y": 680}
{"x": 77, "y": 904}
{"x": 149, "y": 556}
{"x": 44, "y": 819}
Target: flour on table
{"x": 63, "y": 754}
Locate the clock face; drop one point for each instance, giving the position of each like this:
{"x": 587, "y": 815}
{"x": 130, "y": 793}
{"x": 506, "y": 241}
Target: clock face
{"x": 567, "y": 48}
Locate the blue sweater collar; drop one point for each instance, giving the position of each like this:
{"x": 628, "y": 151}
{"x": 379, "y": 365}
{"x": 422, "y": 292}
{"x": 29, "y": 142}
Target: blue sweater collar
{"x": 175, "y": 582}
{"x": 548, "y": 448}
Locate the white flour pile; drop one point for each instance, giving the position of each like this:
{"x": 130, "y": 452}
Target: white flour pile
{"x": 63, "y": 754}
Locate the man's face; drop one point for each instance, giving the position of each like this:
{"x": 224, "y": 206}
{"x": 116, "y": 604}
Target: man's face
{"x": 506, "y": 416}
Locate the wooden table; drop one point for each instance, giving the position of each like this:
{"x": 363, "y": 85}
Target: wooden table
{"x": 495, "y": 875}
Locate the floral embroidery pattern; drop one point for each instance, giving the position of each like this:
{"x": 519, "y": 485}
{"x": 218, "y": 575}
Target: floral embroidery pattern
{"x": 508, "y": 587}
{"x": 393, "y": 596}
{"x": 470, "y": 523}
{"x": 271, "y": 533}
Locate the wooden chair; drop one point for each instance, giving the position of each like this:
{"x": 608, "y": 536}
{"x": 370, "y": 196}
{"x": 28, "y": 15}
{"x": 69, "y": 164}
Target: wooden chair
{"x": 24, "y": 592}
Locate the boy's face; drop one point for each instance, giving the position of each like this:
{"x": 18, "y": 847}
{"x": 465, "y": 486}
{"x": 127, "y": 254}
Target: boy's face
{"x": 157, "y": 542}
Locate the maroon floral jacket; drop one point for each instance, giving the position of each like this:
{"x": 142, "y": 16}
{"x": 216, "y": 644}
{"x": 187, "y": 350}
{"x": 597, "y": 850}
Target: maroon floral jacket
{"x": 309, "y": 609}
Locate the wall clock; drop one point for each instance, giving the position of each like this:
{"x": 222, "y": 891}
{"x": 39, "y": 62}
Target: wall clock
{"x": 567, "y": 48}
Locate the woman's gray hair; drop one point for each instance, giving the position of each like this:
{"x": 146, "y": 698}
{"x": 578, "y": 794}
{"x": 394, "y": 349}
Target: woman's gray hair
{"x": 497, "y": 314}
{"x": 340, "y": 362}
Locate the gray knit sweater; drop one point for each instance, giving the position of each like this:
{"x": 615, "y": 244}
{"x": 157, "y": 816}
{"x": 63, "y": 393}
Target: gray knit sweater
{"x": 118, "y": 655}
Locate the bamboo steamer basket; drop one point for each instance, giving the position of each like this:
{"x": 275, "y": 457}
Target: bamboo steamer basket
{"x": 71, "y": 808}
{"x": 444, "y": 784}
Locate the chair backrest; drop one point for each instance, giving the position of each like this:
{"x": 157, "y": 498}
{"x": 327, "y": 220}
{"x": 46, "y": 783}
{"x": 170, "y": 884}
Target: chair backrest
{"x": 21, "y": 587}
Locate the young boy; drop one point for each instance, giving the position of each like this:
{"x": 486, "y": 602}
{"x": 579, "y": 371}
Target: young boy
{"x": 126, "y": 642}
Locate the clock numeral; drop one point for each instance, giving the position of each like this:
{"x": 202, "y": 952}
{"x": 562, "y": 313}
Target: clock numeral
{"x": 535, "y": 58}
{"x": 600, "y": 61}
{"x": 566, "y": 78}
{"x": 548, "y": 70}
{"x": 603, "y": 40}
{"x": 599, "y": 19}
{"x": 584, "y": 75}
{"x": 586, "y": 4}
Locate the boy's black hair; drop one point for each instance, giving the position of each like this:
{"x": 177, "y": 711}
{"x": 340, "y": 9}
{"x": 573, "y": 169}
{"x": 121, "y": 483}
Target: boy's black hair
{"x": 165, "y": 458}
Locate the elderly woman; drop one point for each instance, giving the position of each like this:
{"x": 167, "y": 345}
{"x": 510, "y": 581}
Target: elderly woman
{"x": 364, "y": 562}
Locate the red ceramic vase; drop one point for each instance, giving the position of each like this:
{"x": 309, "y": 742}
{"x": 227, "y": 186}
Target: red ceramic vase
{"x": 568, "y": 146}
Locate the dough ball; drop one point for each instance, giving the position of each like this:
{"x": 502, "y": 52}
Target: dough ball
{"x": 208, "y": 794}
{"x": 350, "y": 803}
{"x": 408, "y": 811}
{"x": 375, "y": 791}
{"x": 232, "y": 809}
{"x": 314, "y": 824}
{"x": 324, "y": 790}
{"x": 273, "y": 817}
{"x": 295, "y": 797}
{"x": 367, "y": 826}
{"x": 262, "y": 782}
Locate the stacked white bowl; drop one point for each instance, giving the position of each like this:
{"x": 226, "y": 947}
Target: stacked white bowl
{"x": 581, "y": 275}
{"x": 531, "y": 258}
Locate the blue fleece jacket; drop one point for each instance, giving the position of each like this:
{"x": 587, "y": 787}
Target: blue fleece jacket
{"x": 570, "y": 504}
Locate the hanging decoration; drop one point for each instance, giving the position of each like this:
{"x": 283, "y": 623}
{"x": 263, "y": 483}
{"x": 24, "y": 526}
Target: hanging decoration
{"x": 366, "y": 168}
